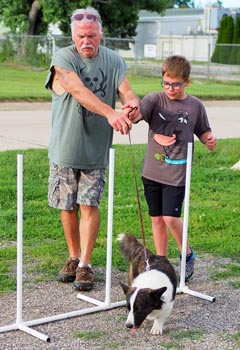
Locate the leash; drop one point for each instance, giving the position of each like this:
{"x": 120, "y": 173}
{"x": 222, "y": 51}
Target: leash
{"x": 139, "y": 203}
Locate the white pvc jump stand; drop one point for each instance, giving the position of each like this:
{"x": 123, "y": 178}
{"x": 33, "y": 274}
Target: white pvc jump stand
{"x": 101, "y": 306}
{"x": 107, "y": 302}
{"x": 182, "y": 286}
{"x": 23, "y": 326}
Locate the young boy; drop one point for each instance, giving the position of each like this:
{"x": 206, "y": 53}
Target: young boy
{"x": 173, "y": 117}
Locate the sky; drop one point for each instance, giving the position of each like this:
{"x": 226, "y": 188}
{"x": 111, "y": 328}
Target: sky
{"x": 225, "y": 3}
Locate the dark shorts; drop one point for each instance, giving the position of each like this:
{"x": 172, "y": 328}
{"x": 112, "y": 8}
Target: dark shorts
{"x": 163, "y": 200}
{"x": 70, "y": 187}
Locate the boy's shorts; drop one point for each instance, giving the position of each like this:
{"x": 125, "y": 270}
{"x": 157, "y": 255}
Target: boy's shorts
{"x": 70, "y": 187}
{"x": 163, "y": 200}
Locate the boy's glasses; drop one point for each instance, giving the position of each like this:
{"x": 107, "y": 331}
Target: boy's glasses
{"x": 88, "y": 17}
{"x": 175, "y": 86}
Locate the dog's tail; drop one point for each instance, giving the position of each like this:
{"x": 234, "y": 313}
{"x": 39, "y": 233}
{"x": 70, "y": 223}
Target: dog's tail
{"x": 130, "y": 247}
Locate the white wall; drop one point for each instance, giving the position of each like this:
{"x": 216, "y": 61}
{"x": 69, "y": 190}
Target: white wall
{"x": 194, "y": 47}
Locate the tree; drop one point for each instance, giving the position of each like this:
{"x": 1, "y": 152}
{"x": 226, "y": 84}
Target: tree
{"x": 225, "y": 35}
{"x": 184, "y": 3}
{"x": 59, "y": 11}
{"x": 33, "y": 16}
{"x": 235, "y": 52}
{"x": 120, "y": 17}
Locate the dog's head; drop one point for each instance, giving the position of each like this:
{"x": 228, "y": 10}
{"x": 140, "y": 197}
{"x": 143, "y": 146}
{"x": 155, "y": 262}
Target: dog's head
{"x": 140, "y": 303}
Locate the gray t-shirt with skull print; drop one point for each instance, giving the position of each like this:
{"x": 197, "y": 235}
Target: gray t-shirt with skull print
{"x": 81, "y": 139}
{"x": 172, "y": 124}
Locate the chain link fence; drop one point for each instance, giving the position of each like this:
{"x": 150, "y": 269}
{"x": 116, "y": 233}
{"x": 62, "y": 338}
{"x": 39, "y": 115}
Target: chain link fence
{"x": 37, "y": 51}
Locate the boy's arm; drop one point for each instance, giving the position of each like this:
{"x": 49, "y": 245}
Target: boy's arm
{"x": 208, "y": 139}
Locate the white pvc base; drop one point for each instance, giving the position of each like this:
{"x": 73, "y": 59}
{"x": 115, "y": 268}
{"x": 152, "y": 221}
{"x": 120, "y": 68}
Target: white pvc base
{"x": 101, "y": 306}
{"x": 186, "y": 290}
{"x": 182, "y": 287}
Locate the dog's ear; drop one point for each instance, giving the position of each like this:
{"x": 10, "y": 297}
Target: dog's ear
{"x": 125, "y": 288}
{"x": 156, "y": 294}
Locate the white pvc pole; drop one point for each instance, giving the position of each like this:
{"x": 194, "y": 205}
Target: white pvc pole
{"x": 182, "y": 286}
{"x": 107, "y": 302}
{"x": 110, "y": 226}
{"x": 19, "y": 321}
{"x": 62, "y": 316}
{"x": 186, "y": 215}
{"x": 194, "y": 293}
{"x": 34, "y": 333}
{"x": 19, "y": 235}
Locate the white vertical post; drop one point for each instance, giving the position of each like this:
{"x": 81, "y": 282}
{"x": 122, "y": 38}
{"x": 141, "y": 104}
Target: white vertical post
{"x": 19, "y": 235}
{"x": 107, "y": 302}
{"x": 182, "y": 286}
{"x": 19, "y": 319}
{"x": 110, "y": 226}
{"x": 186, "y": 215}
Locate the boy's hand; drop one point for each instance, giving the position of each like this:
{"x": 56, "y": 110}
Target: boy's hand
{"x": 134, "y": 112}
{"x": 211, "y": 142}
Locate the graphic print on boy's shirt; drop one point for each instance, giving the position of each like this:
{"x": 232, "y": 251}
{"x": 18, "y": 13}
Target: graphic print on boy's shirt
{"x": 172, "y": 133}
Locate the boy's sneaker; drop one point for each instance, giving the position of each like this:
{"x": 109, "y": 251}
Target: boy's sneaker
{"x": 190, "y": 260}
{"x": 68, "y": 272}
{"x": 84, "y": 278}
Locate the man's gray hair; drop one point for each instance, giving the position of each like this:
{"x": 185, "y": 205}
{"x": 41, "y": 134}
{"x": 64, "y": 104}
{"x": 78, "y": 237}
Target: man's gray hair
{"x": 90, "y": 11}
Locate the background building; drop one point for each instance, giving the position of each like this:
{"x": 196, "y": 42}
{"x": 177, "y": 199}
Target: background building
{"x": 190, "y": 32}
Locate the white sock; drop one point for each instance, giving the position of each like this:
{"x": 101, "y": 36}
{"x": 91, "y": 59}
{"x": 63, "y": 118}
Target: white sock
{"x": 82, "y": 264}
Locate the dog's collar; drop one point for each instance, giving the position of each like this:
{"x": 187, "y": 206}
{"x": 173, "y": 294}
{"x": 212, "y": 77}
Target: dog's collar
{"x": 147, "y": 264}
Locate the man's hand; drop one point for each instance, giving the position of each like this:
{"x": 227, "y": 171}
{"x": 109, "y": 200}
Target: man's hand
{"x": 120, "y": 121}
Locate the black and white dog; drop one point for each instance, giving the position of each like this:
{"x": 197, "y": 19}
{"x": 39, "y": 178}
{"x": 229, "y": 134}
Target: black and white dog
{"x": 150, "y": 293}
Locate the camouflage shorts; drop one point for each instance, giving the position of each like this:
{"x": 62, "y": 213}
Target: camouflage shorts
{"x": 69, "y": 187}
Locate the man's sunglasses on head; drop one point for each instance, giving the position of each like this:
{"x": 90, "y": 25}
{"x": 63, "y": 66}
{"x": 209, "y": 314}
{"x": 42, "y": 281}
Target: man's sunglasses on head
{"x": 87, "y": 16}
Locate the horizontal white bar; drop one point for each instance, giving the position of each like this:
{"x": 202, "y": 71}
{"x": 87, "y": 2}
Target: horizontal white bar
{"x": 90, "y": 300}
{"x": 64, "y": 316}
{"x": 186, "y": 290}
{"x": 34, "y": 333}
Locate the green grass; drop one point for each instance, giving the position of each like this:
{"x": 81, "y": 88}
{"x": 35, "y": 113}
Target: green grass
{"x": 22, "y": 83}
{"x": 230, "y": 272}
{"x": 178, "y": 337}
{"x": 236, "y": 337}
{"x": 89, "y": 335}
{"x": 213, "y": 216}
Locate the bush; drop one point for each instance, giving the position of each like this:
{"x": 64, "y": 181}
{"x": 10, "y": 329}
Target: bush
{"x": 6, "y": 50}
{"x": 223, "y": 52}
{"x": 235, "y": 52}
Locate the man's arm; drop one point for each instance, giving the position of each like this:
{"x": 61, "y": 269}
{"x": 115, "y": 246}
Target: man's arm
{"x": 66, "y": 80}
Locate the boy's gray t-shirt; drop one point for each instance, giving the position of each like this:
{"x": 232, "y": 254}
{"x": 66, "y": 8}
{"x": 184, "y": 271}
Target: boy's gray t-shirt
{"x": 165, "y": 159}
{"x": 81, "y": 139}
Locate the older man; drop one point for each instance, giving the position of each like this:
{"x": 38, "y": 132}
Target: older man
{"x": 85, "y": 79}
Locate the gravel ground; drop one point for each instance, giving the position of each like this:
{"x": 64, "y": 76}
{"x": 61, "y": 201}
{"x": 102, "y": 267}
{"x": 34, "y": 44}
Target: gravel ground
{"x": 195, "y": 324}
